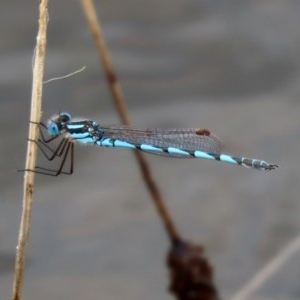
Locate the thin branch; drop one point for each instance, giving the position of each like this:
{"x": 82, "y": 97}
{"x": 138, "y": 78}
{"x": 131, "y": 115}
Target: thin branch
{"x": 115, "y": 88}
{"x": 65, "y": 76}
{"x": 104, "y": 57}
{"x": 270, "y": 269}
{"x": 36, "y": 100}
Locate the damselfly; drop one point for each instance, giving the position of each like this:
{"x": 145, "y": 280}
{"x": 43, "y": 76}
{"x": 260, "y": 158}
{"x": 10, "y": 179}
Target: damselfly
{"x": 179, "y": 143}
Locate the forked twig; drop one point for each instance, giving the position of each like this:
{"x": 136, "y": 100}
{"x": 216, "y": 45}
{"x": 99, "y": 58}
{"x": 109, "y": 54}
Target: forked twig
{"x": 36, "y": 102}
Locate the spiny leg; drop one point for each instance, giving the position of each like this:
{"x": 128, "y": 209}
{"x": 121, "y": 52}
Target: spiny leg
{"x": 69, "y": 150}
{"x": 62, "y": 149}
{"x": 55, "y": 152}
{"x": 42, "y": 126}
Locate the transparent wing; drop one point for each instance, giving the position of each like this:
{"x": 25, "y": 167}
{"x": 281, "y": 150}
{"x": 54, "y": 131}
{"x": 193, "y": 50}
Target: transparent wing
{"x": 184, "y": 139}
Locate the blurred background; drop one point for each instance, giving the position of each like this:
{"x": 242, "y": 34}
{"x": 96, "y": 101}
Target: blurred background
{"x": 232, "y": 67}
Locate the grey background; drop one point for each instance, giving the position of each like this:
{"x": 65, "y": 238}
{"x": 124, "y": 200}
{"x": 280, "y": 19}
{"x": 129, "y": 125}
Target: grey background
{"x": 230, "y": 66}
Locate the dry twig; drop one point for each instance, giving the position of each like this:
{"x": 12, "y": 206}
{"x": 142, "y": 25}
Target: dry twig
{"x": 36, "y": 100}
{"x": 191, "y": 274}
{"x": 115, "y": 89}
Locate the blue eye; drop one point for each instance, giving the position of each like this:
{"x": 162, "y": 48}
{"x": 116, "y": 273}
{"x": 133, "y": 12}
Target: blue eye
{"x": 65, "y": 117}
{"x": 52, "y": 128}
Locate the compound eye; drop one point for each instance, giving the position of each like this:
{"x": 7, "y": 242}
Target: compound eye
{"x": 65, "y": 117}
{"x": 52, "y": 128}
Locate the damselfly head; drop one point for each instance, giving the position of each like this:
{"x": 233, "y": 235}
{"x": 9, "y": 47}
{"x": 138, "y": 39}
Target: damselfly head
{"x": 57, "y": 123}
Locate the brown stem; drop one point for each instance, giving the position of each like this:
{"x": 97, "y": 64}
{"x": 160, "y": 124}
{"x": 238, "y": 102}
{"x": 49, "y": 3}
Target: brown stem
{"x": 111, "y": 77}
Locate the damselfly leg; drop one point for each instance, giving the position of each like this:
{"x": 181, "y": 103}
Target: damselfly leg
{"x": 63, "y": 150}
{"x": 67, "y": 150}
